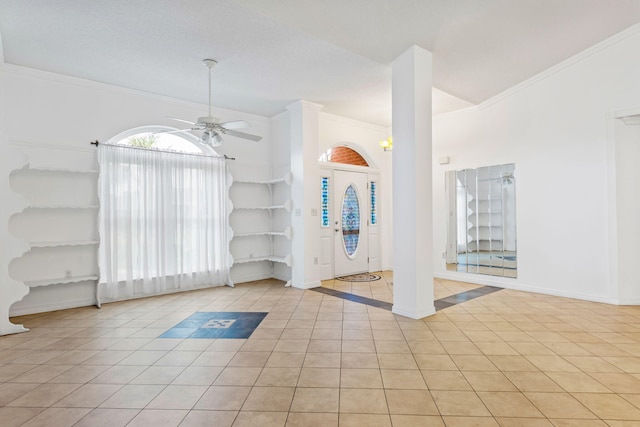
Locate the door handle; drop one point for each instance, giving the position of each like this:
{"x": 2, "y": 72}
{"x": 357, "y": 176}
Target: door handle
{"x": 337, "y": 230}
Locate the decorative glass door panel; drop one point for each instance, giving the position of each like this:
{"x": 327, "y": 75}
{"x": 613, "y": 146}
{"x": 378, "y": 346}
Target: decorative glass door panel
{"x": 350, "y": 221}
{"x": 351, "y": 231}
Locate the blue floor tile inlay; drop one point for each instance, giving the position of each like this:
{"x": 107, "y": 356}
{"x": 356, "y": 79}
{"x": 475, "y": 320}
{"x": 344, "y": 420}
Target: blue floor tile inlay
{"x": 216, "y": 325}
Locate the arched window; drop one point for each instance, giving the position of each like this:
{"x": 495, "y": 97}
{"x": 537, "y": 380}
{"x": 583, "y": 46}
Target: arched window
{"x": 162, "y": 138}
{"x": 345, "y": 155}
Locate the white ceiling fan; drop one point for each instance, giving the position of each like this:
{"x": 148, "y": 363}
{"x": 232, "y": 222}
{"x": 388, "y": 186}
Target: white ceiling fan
{"x": 213, "y": 128}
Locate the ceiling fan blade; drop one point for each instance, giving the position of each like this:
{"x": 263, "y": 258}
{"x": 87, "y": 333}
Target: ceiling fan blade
{"x": 238, "y": 124}
{"x": 243, "y": 135}
{"x": 181, "y": 120}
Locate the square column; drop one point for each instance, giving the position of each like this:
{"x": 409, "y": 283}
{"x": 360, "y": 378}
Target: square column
{"x": 305, "y": 194}
{"x": 412, "y": 184}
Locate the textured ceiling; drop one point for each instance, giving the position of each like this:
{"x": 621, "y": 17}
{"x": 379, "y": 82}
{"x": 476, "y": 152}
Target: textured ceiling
{"x": 336, "y": 53}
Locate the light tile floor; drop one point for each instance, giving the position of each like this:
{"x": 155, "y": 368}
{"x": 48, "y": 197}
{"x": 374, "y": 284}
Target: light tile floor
{"x": 504, "y": 359}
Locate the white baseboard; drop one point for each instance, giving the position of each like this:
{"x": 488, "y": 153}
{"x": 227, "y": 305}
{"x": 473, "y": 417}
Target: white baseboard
{"x": 43, "y": 308}
{"x": 308, "y": 285}
{"x": 508, "y": 283}
{"x": 413, "y": 314}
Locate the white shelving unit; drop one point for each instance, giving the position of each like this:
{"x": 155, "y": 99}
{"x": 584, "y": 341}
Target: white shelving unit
{"x": 263, "y": 190}
{"x": 59, "y": 224}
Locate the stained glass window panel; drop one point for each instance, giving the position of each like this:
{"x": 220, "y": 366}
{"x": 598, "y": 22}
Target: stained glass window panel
{"x": 324, "y": 188}
{"x": 350, "y": 221}
{"x": 374, "y": 211}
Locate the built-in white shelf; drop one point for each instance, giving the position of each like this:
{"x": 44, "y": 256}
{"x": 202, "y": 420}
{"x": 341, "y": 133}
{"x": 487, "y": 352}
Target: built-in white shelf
{"x": 285, "y": 179}
{"x": 286, "y": 233}
{"x": 59, "y": 281}
{"x": 272, "y": 258}
{"x": 63, "y": 170}
{"x": 63, "y": 243}
{"x": 286, "y": 206}
{"x": 63, "y": 206}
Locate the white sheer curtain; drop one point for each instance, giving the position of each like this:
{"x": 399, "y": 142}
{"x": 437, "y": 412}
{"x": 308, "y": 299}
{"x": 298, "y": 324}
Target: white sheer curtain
{"x": 163, "y": 222}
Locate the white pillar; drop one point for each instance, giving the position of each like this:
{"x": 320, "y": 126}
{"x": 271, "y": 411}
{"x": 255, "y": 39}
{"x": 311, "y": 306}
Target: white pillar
{"x": 305, "y": 194}
{"x": 412, "y": 185}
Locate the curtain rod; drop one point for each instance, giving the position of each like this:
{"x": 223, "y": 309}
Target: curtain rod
{"x": 225, "y": 157}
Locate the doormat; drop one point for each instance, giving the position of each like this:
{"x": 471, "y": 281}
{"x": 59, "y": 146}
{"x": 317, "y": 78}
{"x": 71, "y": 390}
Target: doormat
{"x": 364, "y": 277}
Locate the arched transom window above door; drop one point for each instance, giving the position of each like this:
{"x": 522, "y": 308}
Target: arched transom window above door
{"x": 345, "y": 155}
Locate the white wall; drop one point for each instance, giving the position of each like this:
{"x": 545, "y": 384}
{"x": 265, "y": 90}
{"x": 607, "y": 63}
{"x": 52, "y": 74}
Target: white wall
{"x": 554, "y": 129}
{"x": 65, "y": 113}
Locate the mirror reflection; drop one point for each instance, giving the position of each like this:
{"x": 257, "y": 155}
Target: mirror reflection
{"x": 482, "y": 210}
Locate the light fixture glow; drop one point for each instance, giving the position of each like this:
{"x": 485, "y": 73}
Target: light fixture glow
{"x": 386, "y": 144}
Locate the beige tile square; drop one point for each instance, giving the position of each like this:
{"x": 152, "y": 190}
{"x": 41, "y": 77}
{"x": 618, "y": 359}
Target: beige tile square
{"x": 417, "y": 421}
{"x": 402, "y": 379}
{"x": 392, "y": 347}
{"x": 559, "y": 405}
{"x": 463, "y": 403}
{"x": 178, "y": 397}
{"x": 285, "y": 360}
{"x": 509, "y": 404}
{"x": 214, "y": 358}
{"x": 426, "y": 347}
{"x": 44, "y": 395}
{"x": 238, "y": 376}
{"x": 586, "y": 423}
{"x": 88, "y": 396}
{"x": 360, "y": 360}
{"x": 489, "y": 381}
{"x": 512, "y": 363}
{"x": 223, "y": 398}
{"x": 12, "y": 391}
{"x": 452, "y": 421}
{"x": 269, "y": 399}
{"x": 198, "y": 375}
{"x": 592, "y": 364}
{"x": 363, "y": 401}
{"x": 473, "y": 362}
{"x": 533, "y": 381}
{"x": 41, "y": 374}
{"x": 358, "y": 346}
{"x": 360, "y": 378}
{"x": 369, "y": 420}
{"x": 14, "y": 417}
{"x": 618, "y": 382}
{"x": 233, "y": 345}
{"x": 319, "y": 377}
{"x": 262, "y": 419}
{"x": 357, "y": 334}
{"x": 296, "y": 334}
{"x": 159, "y": 418}
{"x": 256, "y": 359}
{"x": 301, "y": 419}
{"x": 178, "y": 358}
{"x": 552, "y": 364}
{"x": 119, "y": 374}
{"x": 577, "y": 382}
{"x": 326, "y": 334}
{"x": 278, "y": 377}
{"x": 609, "y": 406}
{"x": 525, "y": 422}
{"x": 79, "y": 374}
{"x": 435, "y": 362}
{"x": 325, "y": 346}
{"x": 292, "y": 346}
{"x": 315, "y": 400}
{"x": 209, "y": 418}
{"x": 445, "y": 380}
{"x": 158, "y": 375}
{"x": 322, "y": 360}
{"x": 133, "y": 396}
{"x": 460, "y": 347}
{"x": 411, "y": 402}
{"x": 57, "y": 417}
{"x": 396, "y": 361}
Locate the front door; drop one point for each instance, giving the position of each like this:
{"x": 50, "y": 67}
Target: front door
{"x": 350, "y": 223}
